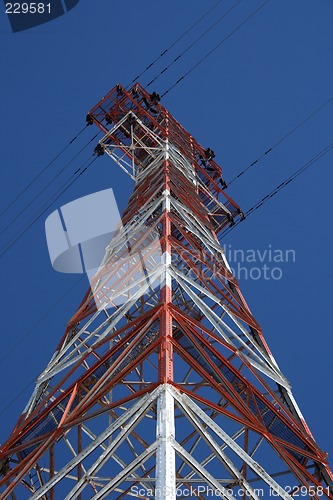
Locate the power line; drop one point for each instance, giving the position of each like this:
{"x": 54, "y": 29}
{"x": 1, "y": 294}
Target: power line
{"x": 193, "y": 43}
{"x": 215, "y": 48}
{"x": 16, "y": 397}
{"x": 67, "y": 187}
{"x": 28, "y": 335}
{"x": 175, "y": 42}
{"x": 166, "y": 50}
{"x": 45, "y": 187}
{"x": 42, "y": 171}
{"x": 32, "y": 329}
{"x": 322, "y": 106}
{"x": 79, "y": 133}
{"x": 19, "y": 234}
{"x": 282, "y": 185}
{"x": 289, "y": 179}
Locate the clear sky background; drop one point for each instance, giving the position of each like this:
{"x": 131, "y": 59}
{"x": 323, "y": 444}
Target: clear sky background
{"x": 260, "y": 84}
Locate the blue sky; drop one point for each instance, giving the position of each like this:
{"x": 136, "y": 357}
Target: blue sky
{"x": 261, "y": 83}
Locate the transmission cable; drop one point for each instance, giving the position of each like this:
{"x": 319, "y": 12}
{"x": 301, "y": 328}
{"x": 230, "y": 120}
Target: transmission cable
{"x": 36, "y": 325}
{"x": 193, "y": 43}
{"x": 42, "y": 171}
{"x": 215, "y": 48}
{"x": 282, "y": 185}
{"x": 80, "y": 132}
{"x": 3, "y": 410}
{"x": 80, "y": 171}
{"x": 47, "y": 185}
{"x": 174, "y": 43}
{"x": 322, "y": 106}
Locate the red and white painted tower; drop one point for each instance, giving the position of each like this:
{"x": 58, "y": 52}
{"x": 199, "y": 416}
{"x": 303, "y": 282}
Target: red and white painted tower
{"x": 163, "y": 385}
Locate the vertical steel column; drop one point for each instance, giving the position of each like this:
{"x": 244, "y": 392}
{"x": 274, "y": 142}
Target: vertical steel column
{"x": 165, "y": 455}
{"x": 165, "y": 355}
{"x": 165, "y": 427}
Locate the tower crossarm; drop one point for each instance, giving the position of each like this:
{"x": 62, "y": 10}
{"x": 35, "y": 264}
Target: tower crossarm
{"x": 134, "y": 124}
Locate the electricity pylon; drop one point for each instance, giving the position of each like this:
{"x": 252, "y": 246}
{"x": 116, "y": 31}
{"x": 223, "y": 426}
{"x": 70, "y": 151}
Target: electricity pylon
{"x": 163, "y": 385}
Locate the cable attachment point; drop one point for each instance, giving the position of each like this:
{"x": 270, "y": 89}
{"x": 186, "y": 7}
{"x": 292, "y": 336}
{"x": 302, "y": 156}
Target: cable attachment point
{"x": 241, "y": 214}
{"x": 89, "y": 119}
{"x": 135, "y": 92}
{"x": 99, "y": 150}
{"x": 231, "y": 220}
{"x": 119, "y": 89}
{"x": 223, "y": 183}
{"x": 108, "y": 119}
{"x": 155, "y": 98}
{"x": 209, "y": 153}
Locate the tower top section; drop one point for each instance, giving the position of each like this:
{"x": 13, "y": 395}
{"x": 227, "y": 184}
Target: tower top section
{"x": 137, "y": 126}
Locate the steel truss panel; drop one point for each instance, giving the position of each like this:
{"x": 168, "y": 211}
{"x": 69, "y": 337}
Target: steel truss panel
{"x": 162, "y": 384}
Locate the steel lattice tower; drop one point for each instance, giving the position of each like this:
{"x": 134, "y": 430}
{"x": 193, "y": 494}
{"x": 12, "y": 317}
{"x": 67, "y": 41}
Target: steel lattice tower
{"x": 173, "y": 391}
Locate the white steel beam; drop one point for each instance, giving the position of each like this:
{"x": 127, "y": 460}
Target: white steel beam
{"x": 123, "y": 475}
{"x": 263, "y": 365}
{"x": 165, "y": 456}
{"x": 218, "y": 453}
{"x": 129, "y": 417}
{"x": 203, "y": 473}
{"x": 184, "y": 401}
